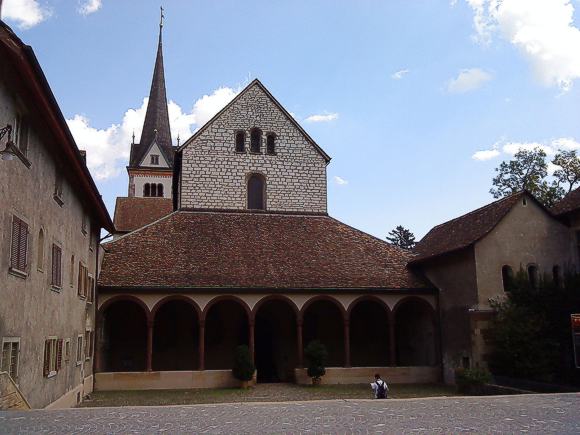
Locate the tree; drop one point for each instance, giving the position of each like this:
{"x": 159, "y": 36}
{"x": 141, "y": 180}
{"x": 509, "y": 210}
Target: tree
{"x": 528, "y": 171}
{"x": 316, "y": 355}
{"x": 243, "y": 369}
{"x": 401, "y": 237}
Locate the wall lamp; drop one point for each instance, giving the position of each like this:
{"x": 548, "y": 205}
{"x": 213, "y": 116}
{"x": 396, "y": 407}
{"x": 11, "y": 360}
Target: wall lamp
{"x": 10, "y": 151}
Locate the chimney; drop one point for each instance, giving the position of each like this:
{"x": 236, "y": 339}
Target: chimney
{"x": 83, "y": 152}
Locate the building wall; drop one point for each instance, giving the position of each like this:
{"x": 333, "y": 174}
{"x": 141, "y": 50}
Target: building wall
{"x": 527, "y": 235}
{"x": 29, "y": 308}
{"x": 214, "y": 175}
{"x": 455, "y": 276}
{"x": 138, "y": 179}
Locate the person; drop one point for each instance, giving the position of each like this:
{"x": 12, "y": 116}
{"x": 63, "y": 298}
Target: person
{"x": 379, "y": 387}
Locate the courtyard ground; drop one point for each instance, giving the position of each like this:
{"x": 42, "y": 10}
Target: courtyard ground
{"x": 532, "y": 413}
{"x": 260, "y": 393}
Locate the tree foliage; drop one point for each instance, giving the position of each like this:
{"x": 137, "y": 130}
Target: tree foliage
{"x": 316, "y": 356}
{"x": 243, "y": 369}
{"x": 528, "y": 170}
{"x": 401, "y": 237}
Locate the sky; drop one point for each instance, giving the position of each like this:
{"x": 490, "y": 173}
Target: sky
{"x": 415, "y": 101}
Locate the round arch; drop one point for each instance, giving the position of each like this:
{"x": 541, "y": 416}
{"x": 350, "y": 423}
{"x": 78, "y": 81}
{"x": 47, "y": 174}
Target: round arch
{"x": 372, "y": 298}
{"x": 318, "y": 298}
{"x": 183, "y": 298}
{"x": 118, "y": 298}
{"x": 222, "y": 298}
{"x": 415, "y": 330}
{"x": 270, "y": 298}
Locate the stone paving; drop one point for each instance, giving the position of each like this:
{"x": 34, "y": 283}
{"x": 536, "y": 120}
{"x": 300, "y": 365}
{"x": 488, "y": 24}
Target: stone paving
{"x": 557, "y": 413}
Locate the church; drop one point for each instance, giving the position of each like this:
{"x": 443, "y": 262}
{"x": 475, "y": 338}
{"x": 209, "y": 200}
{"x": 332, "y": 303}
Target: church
{"x": 226, "y": 240}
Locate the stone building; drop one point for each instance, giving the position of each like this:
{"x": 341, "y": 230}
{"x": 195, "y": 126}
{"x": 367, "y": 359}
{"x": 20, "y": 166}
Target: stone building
{"x": 51, "y": 216}
{"x": 473, "y": 258}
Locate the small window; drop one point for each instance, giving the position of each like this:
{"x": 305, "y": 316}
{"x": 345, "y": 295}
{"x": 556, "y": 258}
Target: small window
{"x": 154, "y": 159}
{"x": 524, "y": 201}
{"x": 56, "y": 280}
{"x": 72, "y": 271}
{"x": 533, "y": 275}
{"x": 10, "y": 356}
{"x": 91, "y": 290}
{"x": 88, "y": 344}
{"x": 240, "y": 142}
{"x": 67, "y": 350}
{"x": 153, "y": 189}
{"x": 92, "y": 240}
{"x": 556, "y": 276}
{"x": 271, "y": 144}
{"x": 58, "y": 182}
{"x": 84, "y": 224}
{"x": 255, "y": 140}
{"x": 147, "y": 189}
{"x": 83, "y": 280}
{"x": 40, "y": 253}
{"x": 19, "y": 246}
{"x": 52, "y": 356}
{"x": 21, "y": 133}
{"x": 79, "y": 349}
{"x": 160, "y": 190}
{"x": 256, "y": 192}
{"x": 507, "y": 275}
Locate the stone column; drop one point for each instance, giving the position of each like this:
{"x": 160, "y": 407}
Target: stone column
{"x": 251, "y": 340}
{"x": 201, "y": 345}
{"x": 346, "y": 343}
{"x": 149, "y": 345}
{"x": 300, "y": 349}
{"x": 392, "y": 342}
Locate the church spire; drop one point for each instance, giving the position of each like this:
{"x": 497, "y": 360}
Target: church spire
{"x": 156, "y": 125}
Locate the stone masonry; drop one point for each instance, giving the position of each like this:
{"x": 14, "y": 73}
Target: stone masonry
{"x": 214, "y": 175}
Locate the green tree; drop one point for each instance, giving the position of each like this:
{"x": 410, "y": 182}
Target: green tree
{"x": 401, "y": 237}
{"x": 316, "y": 356}
{"x": 243, "y": 369}
{"x": 567, "y": 176}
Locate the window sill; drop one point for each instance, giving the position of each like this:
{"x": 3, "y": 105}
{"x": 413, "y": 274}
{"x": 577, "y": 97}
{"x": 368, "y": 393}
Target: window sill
{"x": 84, "y": 232}
{"x": 40, "y": 270}
{"x": 51, "y": 375}
{"x": 240, "y": 152}
{"x": 256, "y": 153}
{"x": 55, "y": 288}
{"x": 271, "y": 154}
{"x": 58, "y": 199}
{"x": 79, "y": 363}
{"x": 18, "y": 273}
{"x": 21, "y": 156}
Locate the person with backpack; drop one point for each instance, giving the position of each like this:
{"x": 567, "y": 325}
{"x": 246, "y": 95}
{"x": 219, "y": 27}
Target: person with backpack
{"x": 379, "y": 387}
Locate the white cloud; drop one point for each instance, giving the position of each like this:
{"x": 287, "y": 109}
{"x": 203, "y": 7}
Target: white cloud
{"x": 88, "y": 7}
{"x": 468, "y": 80}
{"x": 340, "y": 181}
{"x": 108, "y": 149}
{"x": 484, "y": 155}
{"x": 26, "y": 13}
{"x": 542, "y": 30}
{"x": 326, "y": 117}
{"x": 399, "y": 74}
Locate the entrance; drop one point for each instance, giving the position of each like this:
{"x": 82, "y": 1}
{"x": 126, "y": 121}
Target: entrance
{"x": 275, "y": 342}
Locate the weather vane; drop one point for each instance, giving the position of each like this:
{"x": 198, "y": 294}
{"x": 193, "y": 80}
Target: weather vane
{"x": 162, "y": 16}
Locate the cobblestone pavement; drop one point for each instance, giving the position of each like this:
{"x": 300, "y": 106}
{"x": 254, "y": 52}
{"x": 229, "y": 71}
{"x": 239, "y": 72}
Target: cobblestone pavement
{"x": 558, "y": 413}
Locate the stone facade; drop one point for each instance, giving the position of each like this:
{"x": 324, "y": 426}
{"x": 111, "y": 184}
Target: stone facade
{"x": 214, "y": 175}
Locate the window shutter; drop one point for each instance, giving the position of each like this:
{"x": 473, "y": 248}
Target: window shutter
{"x": 23, "y": 246}
{"x": 59, "y": 355}
{"x": 15, "y": 242}
{"x": 53, "y": 263}
{"x": 80, "y": 279}
{"x": 45, "y": 369}
{"x": 58, "y": 266}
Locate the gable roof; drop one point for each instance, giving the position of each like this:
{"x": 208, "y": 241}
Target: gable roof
{"x": 462, "y": 232}
{"x": 257, "y": 82}
{"x": 569, "y": 204}
{"x": 36, "y": 90}
{"x": 253, "y": 250}
{"x": 134, "y": 212}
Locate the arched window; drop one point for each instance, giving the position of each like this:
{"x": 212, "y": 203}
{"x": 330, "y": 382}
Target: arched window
{"x": 271, "y": 143}
{"x": 255, "y": 140}
{"x": 256, "y": 192}
{"x": 40, "y": 257}
{"x": 153, "y": 189}
{"x": 507, "y": 275}
{"x": 240, "y": 141}
{"x": 556, "y": 276}
{"x": 533, "y": 275}
{"x": 160, "y": 190}
{"x": 147, "y": 189}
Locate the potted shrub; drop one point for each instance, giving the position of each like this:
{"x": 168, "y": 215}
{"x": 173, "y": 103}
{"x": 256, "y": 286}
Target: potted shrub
{"x": 243, "y": 369}
{"x": 316, "y": 355}
{"x": 471, "y": 381}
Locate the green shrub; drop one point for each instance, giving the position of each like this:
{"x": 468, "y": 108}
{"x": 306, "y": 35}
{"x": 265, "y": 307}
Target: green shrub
{"x": 316, "y": 355}
{"x": 243, "y": 369}
{"x": 471, "y": 380}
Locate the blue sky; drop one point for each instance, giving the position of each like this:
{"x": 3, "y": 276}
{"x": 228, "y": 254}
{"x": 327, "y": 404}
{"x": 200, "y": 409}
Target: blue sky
{"x": 473, "y": 76}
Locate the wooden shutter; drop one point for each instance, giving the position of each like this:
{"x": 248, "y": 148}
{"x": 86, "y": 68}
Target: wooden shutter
{"x": 15, "y": 241}
{"x": 46, "y": 367}
{"x": 80, "y": 279}
{"x": 59, "y": 355}
{"x": 58, "y": 266}
{"x": 19, "y": 247}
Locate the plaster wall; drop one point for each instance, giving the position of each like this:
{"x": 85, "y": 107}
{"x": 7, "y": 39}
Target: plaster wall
{"x": 139, "y": 181}
{"x": 214, "y": 175}
{"x": 31, "y": 309}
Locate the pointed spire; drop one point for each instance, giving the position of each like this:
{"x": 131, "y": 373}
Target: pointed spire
{"x": 156, "y": 125}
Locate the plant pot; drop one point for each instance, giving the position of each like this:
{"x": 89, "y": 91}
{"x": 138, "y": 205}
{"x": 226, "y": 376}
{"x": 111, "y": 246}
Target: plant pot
{"x": 316, "y": 381}
{"x": 245, "y": 385}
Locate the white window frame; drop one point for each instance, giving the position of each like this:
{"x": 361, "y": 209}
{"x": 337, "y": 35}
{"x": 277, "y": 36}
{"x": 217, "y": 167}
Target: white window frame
{"x": 87, "y": 347}
{"x": 90, "y": 296}
{"x": 66, "y": 351}
{"x": 154, "y": 159}
{"x": 56, "y": 287}
{"x": 79, "y": 349}
{"x": 19, "y": 120}
{"x": 53, "y": 356}
{"x": 10, "y": 340}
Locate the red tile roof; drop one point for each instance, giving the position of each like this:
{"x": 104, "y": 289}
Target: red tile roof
{"x": 132, "y": 213}
{"x": 254, "y": 250}
{"x": 465, "y": 230}
{"x": 569, "y": 203}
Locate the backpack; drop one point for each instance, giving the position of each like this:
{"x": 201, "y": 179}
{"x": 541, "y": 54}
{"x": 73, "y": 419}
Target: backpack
{"x": 381, "y": 389}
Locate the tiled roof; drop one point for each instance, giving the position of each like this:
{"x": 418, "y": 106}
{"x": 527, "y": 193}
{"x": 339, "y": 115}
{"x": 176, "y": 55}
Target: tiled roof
{"x": 132, "y": 213}
{"x": 569, "y": 203}
{"x": 254, "y": 250}
{"x": 465, "y": 230}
